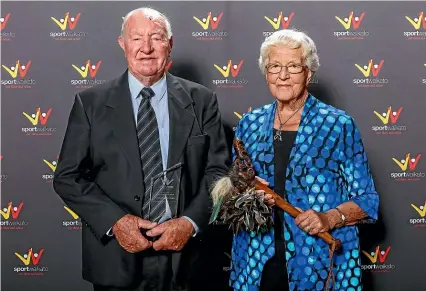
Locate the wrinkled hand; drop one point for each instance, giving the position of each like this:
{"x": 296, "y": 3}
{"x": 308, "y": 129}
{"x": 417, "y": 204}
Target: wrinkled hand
{"x": 175, "y": 233}
{"x": 128, "y": 234}
{"x": 313, "y": 222}
{"x": 269, "y": 201}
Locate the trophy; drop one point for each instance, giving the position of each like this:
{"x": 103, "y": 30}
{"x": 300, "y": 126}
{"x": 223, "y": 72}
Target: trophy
{"x": 164, "y": 194}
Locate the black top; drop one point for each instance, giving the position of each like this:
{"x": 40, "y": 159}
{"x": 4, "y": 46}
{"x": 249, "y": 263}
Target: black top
{"x": 274, "y": 275}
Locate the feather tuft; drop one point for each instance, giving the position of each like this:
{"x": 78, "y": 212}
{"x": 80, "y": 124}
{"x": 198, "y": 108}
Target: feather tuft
{"x": 221, "y": 190}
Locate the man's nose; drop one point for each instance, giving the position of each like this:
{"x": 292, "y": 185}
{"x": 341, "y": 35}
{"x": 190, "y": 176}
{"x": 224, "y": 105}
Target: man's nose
{"x": 146, "y": 46}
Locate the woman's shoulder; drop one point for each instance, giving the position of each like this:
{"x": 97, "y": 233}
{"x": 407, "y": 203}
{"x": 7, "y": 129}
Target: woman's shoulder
{"x": 254, "y": 114}
{"x": 333, "y": 114}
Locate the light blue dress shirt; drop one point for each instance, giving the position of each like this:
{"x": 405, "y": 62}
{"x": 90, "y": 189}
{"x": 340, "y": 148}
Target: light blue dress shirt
{"x": 159, "y": 103}
{"x": 161, "y": 108}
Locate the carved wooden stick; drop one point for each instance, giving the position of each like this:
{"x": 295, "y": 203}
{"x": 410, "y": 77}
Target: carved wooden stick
{"x": 244, "y": 167}
{"x": 290, "y": 209}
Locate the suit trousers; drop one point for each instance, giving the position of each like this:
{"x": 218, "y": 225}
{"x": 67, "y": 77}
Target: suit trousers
{"x": 156, "y": 275}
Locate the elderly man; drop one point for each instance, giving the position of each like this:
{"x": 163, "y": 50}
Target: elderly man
{"x": 137, "y": 161}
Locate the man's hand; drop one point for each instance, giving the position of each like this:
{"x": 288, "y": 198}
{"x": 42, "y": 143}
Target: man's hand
{"x": 128, "y": 234}
{"x": 269, "y": 201}
{"x": 175, "y": 233}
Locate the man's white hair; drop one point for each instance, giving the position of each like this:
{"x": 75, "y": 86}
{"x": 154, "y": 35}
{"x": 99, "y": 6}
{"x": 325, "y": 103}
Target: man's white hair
{"x": 150, "y": 13}
{"x": 294, "y": 39}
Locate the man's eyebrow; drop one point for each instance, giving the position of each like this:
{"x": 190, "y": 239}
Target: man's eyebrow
{"x": 134, "y": 31}
{"x": 159, "y": 31}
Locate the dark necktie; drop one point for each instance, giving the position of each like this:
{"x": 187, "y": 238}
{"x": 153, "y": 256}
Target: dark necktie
{"x": 150, "y": 153}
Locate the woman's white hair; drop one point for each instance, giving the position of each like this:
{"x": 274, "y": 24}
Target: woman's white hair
{"x": 151, "y": 13}
{"x": 294, "y": 39}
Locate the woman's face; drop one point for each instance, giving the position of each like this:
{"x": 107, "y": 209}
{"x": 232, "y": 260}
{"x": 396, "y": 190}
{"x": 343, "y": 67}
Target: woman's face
{"x": 290, "y": 82}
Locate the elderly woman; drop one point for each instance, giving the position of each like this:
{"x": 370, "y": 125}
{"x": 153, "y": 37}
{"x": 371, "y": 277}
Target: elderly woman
{"x": 312, "y": 155}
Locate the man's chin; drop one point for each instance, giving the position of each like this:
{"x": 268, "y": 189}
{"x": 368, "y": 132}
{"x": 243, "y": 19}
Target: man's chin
{"x": 149, "y": 72}
{"x": 150, "y": 76}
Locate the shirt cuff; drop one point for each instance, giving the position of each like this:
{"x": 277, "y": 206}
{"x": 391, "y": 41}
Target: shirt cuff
{"x": 193, "y": 224}
{"x": 109, "y": 232}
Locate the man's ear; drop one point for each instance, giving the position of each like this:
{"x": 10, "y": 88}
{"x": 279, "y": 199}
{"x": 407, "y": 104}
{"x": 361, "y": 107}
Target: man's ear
{"x": 121, "y": 42}
{"x": 171, "y": 43}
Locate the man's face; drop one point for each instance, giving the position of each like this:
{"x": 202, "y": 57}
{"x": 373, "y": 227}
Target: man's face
{"x": 145, "y": 46}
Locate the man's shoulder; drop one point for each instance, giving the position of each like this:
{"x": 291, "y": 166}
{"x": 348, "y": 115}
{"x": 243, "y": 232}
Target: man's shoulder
{"x": 100, "y": 89}
{"x": 193, "y": 88}
{"x": 98, "y": 95}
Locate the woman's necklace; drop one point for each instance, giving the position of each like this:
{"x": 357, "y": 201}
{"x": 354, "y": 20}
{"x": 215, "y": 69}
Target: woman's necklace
{"x": 278, "y": 133}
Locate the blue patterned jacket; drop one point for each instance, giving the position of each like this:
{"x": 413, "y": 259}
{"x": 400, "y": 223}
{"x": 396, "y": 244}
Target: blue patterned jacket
{"x": 328, "y": 166}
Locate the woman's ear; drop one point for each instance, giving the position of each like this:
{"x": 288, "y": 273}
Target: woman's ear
{"x": 310, "y": 76}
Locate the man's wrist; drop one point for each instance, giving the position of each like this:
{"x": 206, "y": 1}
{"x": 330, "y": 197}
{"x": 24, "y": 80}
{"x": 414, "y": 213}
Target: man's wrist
{"x": 194, "y": 226}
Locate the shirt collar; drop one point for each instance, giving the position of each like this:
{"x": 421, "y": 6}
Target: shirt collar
{"x": 136, "y": 86}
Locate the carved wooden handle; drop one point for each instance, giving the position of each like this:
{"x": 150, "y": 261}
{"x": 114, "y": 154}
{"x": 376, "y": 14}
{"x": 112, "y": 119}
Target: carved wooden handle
{"x": 290, "y": 209}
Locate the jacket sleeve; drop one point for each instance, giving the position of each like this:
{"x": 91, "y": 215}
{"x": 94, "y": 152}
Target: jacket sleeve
{"x": 356, "y": 170}
{"x": 217, "y": 165}
{"x": 72, "y": 179}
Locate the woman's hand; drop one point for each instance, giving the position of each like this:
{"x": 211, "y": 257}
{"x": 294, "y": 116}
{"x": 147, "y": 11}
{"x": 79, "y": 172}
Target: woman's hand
{"x": 269, "y": 201}
{"x": 313, "y": 222}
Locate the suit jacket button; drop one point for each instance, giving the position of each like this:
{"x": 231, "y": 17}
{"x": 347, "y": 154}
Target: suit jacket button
{"x": 137, "y": 197}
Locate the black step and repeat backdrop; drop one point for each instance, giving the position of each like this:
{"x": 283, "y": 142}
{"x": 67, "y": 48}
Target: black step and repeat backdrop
{"x": 373, "y": 65}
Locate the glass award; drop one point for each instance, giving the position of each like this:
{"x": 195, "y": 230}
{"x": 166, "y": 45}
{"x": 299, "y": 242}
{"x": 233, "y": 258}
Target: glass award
{"x": 164, "y": 194}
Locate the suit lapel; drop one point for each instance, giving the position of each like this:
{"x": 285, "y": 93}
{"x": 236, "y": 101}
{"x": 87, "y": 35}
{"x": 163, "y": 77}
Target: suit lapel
{"x": 122, "y": 122}
{"x": 181, "y": 119}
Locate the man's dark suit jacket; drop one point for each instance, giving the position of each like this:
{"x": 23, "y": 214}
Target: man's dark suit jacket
{"x": 99, "y": 172}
